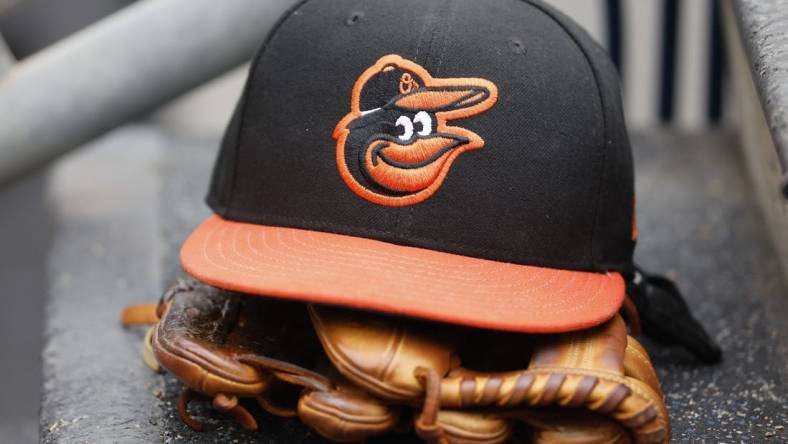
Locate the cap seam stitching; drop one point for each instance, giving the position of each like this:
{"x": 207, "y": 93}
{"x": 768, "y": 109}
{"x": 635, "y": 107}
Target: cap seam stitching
{"x": 405, "y": 218}
{"x": 252, "y": 73}
{"x": 593, "y": 256}
{"x": 440, "y": 50}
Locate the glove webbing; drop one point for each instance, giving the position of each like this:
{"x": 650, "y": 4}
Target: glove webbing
{"x": 607, "y": 394}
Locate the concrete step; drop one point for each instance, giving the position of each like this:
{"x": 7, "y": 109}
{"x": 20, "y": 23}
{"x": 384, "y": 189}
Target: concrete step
{"x": 698, "y": 222}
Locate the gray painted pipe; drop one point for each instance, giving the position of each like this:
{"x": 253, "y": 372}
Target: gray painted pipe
{"x": 120, "y": 68}
{"x": 6, "y": 58}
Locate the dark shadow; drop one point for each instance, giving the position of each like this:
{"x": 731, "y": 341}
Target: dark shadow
{"x": 26, "y": 232}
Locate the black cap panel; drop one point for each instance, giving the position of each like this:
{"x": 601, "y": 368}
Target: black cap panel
{"x": 546, "y": 189}
{"x": 613, "y": 238}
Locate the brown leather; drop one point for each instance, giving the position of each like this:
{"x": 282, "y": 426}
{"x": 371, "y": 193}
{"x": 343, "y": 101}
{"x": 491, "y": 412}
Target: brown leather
{"x": 598, "y": 370}
{"x": 629, "y": 312}
{"x": 576, "y": 370}
{"x": 140, "y": 314}
{"x": 197, "y": 340}
{"x": 381, "y": 353}
{"x": 148, "y": 355}
{"x": 589, "y": 387}
{"x": 460, "y": 427}
{"x": 347, "y": 413}
{"x": 599, "y": 348}
{"x": 562, "y": 426}
{"x": 227, "y": 346}
{"x": 638, "y": 365}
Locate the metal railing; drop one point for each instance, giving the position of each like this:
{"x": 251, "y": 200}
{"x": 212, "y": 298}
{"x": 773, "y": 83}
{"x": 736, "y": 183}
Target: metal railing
{"x": 6, "y": 58}
{"x": 118, "y": 69}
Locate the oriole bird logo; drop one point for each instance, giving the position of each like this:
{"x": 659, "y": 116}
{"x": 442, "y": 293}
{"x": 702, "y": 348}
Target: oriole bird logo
{"x": 395, "y": 148}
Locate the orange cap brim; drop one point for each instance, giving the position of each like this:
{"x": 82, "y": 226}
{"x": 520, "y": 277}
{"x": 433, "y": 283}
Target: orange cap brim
{"x": 362, "y": 273}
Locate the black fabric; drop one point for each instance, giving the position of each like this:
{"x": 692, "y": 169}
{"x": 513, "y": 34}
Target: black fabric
{"x": 670, "y": 21}
{"x": 379, "y": 90}
{"x": 665, "y": 316}
{"x": 552, "y": 185}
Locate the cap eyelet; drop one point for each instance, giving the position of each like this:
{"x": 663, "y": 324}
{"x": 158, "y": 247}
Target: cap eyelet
{"x": 516, "y": 45}
{"x": 354, "y": 18}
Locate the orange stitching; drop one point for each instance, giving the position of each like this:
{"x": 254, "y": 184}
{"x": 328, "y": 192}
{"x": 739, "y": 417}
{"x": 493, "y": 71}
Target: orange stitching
{"x": 407, "y": 83}
{"x": 417, "y": 184}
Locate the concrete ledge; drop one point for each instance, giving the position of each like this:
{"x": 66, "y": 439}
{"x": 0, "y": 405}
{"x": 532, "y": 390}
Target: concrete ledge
{"x": 760, "y": 88}
{"x": 763, "y": 29}
{"x": 698, "y": 223}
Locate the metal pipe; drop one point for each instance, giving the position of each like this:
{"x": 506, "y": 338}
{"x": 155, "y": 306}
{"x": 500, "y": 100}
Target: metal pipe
{"x": 120, "y": 68}
{"x": 6, "y": 58}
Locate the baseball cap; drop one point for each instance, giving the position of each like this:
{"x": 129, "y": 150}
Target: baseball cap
{"x": 460, "y": 161}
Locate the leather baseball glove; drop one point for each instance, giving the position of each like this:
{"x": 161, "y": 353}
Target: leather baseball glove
{"x": 225, "y": 347}
{"x": 597, "y": 385}
{"x": 354, "y": 375}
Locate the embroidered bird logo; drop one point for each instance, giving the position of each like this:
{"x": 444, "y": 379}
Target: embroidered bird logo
{"x": 395, "y": 148}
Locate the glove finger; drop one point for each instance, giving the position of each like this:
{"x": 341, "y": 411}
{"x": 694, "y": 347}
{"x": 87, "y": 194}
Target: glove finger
{"x": 582, "y": 371}
{"x": 342, "y": 416}
{"x": 460, "y": 427}
{"x": 638, "y": 365}
{"x": 140, "y": 314}
{"x": 192, "y": 343}
{"x": 381, "y": 353}
{"x": 550, "y": 426}
{"x": 227, "y": 346}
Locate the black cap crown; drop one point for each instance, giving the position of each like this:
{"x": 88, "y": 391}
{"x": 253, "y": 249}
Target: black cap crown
{"x": 525, "y": 160}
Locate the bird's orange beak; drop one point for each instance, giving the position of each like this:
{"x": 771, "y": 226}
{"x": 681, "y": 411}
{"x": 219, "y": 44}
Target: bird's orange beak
{"x": 443, "y": 99}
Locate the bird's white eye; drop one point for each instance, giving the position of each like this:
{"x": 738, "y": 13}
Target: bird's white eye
{"x": 426, "y": 123}
{"x": 407, "y": 126}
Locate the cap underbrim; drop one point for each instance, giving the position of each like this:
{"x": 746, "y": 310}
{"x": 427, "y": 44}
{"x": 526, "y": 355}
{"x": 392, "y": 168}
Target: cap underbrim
{"x": 368, "y": 274}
